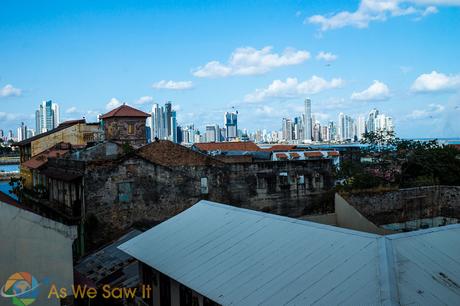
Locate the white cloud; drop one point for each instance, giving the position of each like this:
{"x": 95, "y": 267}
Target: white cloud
{"x": 266, "y": 110}
{"x": 144, "y": 100}
{"x": 71, "y": 110}
{"x": 378, "y": 91}
{"x": 377, "y": 10}
{"x": 292, "y": 88}
{"x": 9, "y": 90}
{"x": 250, "y": 61}
{"x": 435, "y": 82}
{"x": 326, "y": 56}
{"x": 113, "y": 103}
{"x": 173, "y": 85}
{"x": 432, "y": 111}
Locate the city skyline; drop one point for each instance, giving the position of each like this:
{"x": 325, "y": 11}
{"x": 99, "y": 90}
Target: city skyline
{"x": 286, "y": 52}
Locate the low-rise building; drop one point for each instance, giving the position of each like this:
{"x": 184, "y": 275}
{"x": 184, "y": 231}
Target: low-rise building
{"x": 214, "y": 254}
{"x": 77, "y": 133}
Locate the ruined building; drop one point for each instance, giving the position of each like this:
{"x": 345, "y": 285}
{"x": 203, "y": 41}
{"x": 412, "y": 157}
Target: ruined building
{"x": 110, "y": 185}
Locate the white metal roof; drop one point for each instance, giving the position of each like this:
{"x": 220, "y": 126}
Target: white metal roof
{"x": 236, "y": 256}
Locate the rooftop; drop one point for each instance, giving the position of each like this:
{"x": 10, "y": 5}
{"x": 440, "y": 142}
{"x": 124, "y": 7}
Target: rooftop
{"x": 167, "y": 153}
{"x": 125, "y": 111}
{"x": 110, "y": 265}
{"x": 228, "y": 146}
{"x": 40, "y": 159}
{"x": 60, "y": 127}
{"x": 236, "y": 256}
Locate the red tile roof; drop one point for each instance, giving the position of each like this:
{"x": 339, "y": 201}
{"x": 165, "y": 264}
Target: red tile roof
{"x": 167, "y": 153}
{"x": 280, "y": 148}
{"x": 333, "y": 153}
{"x": 40, "y": 159}
{"x": 313, "y": 154}
{"x": 125, "y": 111}
{"x": 281, "y": 156}
{"x": 228, "y": 146}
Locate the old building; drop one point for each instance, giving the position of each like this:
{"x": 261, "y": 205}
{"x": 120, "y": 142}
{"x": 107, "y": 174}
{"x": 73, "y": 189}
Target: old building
{"x": 108, "y": 186}
{"x": 214, "y": 254}
{"x": 77, "y": 133}
{"x": 161, "y": 179}
{"x": 125, "y": 124}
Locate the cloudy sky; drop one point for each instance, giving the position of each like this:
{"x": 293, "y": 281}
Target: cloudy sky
{"x": 261, "y": 57}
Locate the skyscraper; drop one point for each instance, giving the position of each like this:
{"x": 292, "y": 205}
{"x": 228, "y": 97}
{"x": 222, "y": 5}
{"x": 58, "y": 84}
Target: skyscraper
{"x": 341, "y": 127}
{"x": 360, "y": 127}
{"x": 371, "y": 120}
{"x": 231, "y": 125}
{"x": 287, "y": 129}
{"x": 168, "y": 115}
{"x": 308, "y": 124}
{"x": 47, "y": 117}
{"x": 173, "y": 125}
{"x": 22, "y": 132}
{"x": 212, "y": 133}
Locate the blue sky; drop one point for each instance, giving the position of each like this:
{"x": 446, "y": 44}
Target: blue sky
{"x": 260, "y": 56}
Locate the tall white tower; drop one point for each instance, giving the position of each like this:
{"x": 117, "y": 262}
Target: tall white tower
{"x": 308, "y": 125}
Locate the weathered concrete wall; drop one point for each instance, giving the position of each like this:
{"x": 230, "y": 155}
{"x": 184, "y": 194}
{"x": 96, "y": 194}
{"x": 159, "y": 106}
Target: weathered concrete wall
{"x": 407, "y": 204}
{"x": 121, "y": 193}
{"x": 34, "y": 244}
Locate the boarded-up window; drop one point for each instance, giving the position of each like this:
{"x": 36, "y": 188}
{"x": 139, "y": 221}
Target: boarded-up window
{"x": 125, "y": 193}
{"x": 204, "y": 185}
{"x": 130, "y": 128}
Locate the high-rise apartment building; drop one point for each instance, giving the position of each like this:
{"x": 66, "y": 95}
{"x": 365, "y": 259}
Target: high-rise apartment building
{"x": 231, "y": 125}
{"x": 360, "y": 127}
{"x": 308, "y": 121}
{"x": 212, "y": 133}
{"x": 47, "y": 117}
{"x": 22, "y": 132}
{"x": 162, "y": 122}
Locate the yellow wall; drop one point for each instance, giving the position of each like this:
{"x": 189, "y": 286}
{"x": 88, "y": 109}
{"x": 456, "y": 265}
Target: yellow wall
{"x": 78, "y": 134}
{"x": 26, "y": 174}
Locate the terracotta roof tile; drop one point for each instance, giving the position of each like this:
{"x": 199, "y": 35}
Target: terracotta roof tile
{"x": 281, "y": 155}
{"x": 333, "y": 153}
{"x": 39, "y": 160}
{"x": 313, "y": 154}
{"x": 228, "y": 146}
{"x": 280, "y": 148}
{"x": 167, "y": 153}
{"x": 125, "y": 111}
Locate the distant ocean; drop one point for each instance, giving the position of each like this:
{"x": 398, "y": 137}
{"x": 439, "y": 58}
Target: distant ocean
{"x": 4, "y": 186}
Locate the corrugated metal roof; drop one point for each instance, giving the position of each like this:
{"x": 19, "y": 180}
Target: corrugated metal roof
{"x": 236, "y": 256}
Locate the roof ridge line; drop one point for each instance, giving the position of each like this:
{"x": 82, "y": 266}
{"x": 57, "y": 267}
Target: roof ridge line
{"x": 389, "y": 294}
